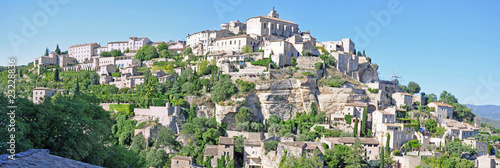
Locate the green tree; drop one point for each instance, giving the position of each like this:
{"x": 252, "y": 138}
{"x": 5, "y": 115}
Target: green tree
{"x": 147, "y": 52}
{"x": 56, "y": 74}
{"x": 58, "y": 51}
{"x": 246, "y": 49}
{"x": 156, "y": 158}
{"x": 355, "y": 156}
{"x": 387, "y": 142}
{"x": 105, "y": 54}
{"x": 162, "y": 46}
{"x": 382, "y": 157}
{"x": 413, "y": 88}
{"x": 187, "y": 51}
{"x": 222, "y": 90}
{"x": 116, "y": 53}
{"x": 57, "y": 124}
{"x": 94, "y": 79}
{"x": 355, "y": 130}
{"x": 431, "y": 125}
{"x": 243, "y": 115}
{"x": 364, "y": 122}
{"x": 139, "y": 143}
{"x": 47, "y": 51}
{"x": 364, "y": 55}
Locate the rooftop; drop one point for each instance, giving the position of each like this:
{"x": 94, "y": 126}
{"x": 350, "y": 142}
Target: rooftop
{"x": 252, "y": 142}
{"x": 80, "y": 45}
{"x": 211, "y": 150}
{"x": 277, "y": 19}
{"x": 299, "y": 144}
{"x": 226, "y": 140}
{"x": 356, "y": 104}
{"x": 403, "y": 93}
{"x": 442, "y": 104}
{"x": 185, "y": 158}
{"x": 350, "y": 140}
{"x": 43, "y": 88}
{"x": 40, "y": 158}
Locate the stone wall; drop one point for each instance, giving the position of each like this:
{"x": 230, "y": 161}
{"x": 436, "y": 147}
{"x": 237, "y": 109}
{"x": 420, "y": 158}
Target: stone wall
{"x": 332, "y": 100}
{"x": 308, "y": 62}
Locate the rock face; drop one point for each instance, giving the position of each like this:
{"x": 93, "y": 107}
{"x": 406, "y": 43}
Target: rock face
{"x": 366, "y": 73}
{"x": 226, "y": 114}
{"x": 284, "y": 98}
{"x": 332, "y": 100}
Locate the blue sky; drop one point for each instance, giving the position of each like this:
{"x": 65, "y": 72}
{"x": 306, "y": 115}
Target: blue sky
{"x": 445, "y": 45}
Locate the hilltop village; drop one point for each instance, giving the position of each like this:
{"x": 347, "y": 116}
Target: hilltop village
{"x": 260, "y": 93}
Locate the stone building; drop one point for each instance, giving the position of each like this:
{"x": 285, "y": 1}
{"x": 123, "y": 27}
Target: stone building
{"x": 370, "y": 145}
{"x": 83, "y": 52}
{"x": 200, "y": 41}
{"x": 223, "y": 149}
{"x": 39, "y": 93}
{"x": 384, "y": 122}
{"x": 456, "y": 129}
{"x": 181, "y": 162}
{"x": 168, "y": 116}
{"x": 403, "y": 99}
{"x": 233, "y": 44}
{"x": 441, "y": 111}
{"x": 271, "y": 25}
{"x": 253, "y": 151}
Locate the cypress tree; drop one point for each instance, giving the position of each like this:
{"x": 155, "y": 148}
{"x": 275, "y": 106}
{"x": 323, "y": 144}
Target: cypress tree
{"x": 58, "y": 51}
{"x": 387, "y": 142}
{"x": 382, "y": 157}
{"x": 364, "y": 122}
{"x": 355, "y": 131}
{"x": 56, "y": 75}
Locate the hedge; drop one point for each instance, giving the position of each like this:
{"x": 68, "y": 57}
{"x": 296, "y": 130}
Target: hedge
{"x": 122, "y": 108}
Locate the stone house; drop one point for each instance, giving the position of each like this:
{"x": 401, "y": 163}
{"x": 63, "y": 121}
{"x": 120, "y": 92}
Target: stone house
{"x": 482, "y": 147}
{"x": 253, "y": 151}
{"x": 224, "y": 148}
{"x": 39, "y": 93}
{"x": 401, "y": 99}
{"x": 384, "y": 122}
{"x": 441, "y": 111}
{"x": 181, "y": 162}
{"x": 370, "y": 145}
{"x": 168, "y": 116}
{"x": 456, "y": 129}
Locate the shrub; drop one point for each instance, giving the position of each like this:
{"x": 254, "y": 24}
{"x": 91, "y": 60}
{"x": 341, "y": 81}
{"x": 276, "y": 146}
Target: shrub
{"x": 294, "y": 61}
{"x": 348, "y": 118}
{"x": 396, "y": 152}
{"x": 308, "y": 74}
{"x": 318, "y": 65}
{"x": 270, "y": 145}
{"x": 116, "y": 74}
{"x": 122, "y": 108}
{"x": 373, "y": 90}
{"x": 261, "y": 62}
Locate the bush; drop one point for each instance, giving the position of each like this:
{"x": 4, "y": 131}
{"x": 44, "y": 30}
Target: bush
{"x": 308, "y": 74}
{"x": 261, "y": 62}
{"x": 348, "y": 118}
{"x": 396, "y": 152}
{"x": 116, "y": 74}
{"x": 373, "y": 90}
{"x": 294, "y": 61}
{"x": 318, "y": 65}
{"x": 245, "y": 86}
{"x": 270, "y": 145}
{"x": 122, "y": 108}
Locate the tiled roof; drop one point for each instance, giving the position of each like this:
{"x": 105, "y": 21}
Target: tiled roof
{"x": 42, "y": 88}
{"x": 350, "y": 140}
{"x": 185, "y": 158}
{"x": 211, "y": 150}
{"x": 385, "y": 112}
{"x": 252, "y": 142}
{"x": 79, "y": 45}
{"x": 277, "y": 19}
{"x": 226, "y": 141}
{"x": 40, "y": 158}
{"x": 240, "y": 36}
{"x": 299, "y": 144}
{"x": 359, "y": 104}
{"x": 403, "y": 93}
{"x": 442, "y": 104}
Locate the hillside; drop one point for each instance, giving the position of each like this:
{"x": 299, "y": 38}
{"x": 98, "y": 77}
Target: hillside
{"x": 491, "y": 112}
